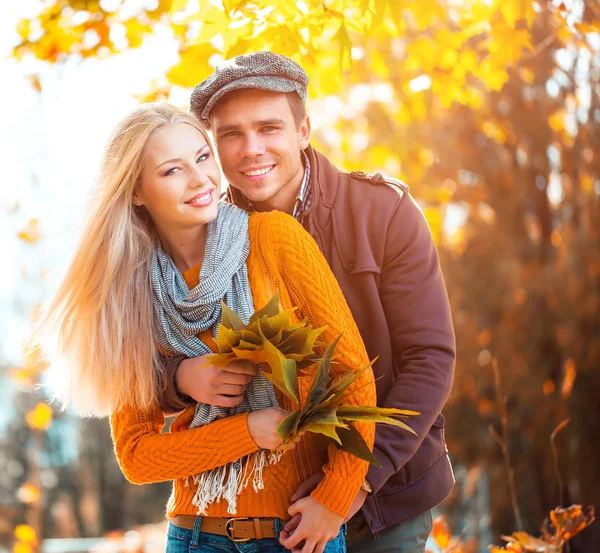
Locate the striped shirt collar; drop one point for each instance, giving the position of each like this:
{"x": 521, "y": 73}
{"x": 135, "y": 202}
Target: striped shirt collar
{"x": 304, "y": 198}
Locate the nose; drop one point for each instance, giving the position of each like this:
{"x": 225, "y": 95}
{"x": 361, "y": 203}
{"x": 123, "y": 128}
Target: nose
{"x": 198, "y": 177}
{"x": 253, "y": 146}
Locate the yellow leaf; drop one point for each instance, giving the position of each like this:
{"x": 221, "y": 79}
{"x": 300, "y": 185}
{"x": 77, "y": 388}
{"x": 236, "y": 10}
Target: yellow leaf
{"x": 435, "y": 220}
{"x": 193, "y": 65}
{"x": 21, "y": 547}
{"x": 177, "y": 6}
{"x": 40, "y": 417}
{"x": 28, "y": 493}
{"x": 214, "y": 22}
{"x": 31, "y": 233}
{"x": 515, "y": 10}
{"x": 440, "y": 532}
{"x": 25, "y": 533}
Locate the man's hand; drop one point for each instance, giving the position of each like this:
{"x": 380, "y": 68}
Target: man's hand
{"x": 263, "y": 426}
{"x": 357, "y": 504}
{"x": 317, "y": 526}
{"x": 221, "y": 386}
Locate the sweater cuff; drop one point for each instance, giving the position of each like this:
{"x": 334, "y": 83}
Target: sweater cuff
{"x": 241, "y": 442}
{"x": 337, "y": 493}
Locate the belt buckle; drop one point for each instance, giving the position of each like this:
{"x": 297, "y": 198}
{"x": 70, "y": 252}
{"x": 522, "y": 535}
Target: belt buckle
{"x": 229, "y": 530}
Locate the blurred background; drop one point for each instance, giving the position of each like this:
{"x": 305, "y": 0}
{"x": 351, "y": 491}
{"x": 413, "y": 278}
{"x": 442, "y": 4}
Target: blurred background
{"x": 488, "y": 109}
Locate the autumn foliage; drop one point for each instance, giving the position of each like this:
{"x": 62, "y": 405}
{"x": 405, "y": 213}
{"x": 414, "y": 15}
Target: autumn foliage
{"x": 491, "y": 112}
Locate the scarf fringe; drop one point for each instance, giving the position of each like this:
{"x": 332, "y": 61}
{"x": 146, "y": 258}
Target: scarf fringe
{"x": 228, "y": 481}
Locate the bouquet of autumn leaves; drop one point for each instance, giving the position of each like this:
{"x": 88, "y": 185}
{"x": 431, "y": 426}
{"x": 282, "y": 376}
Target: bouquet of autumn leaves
{"x": 282, "y": 350}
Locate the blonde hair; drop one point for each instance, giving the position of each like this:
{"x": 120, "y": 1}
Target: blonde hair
{"x": 100, "y": 323}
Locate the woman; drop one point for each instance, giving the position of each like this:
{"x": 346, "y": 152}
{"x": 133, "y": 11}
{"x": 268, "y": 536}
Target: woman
{"x": 158, "y": 256}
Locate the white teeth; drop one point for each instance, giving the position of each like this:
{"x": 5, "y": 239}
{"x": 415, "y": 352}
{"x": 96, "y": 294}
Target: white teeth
{"x": 200, "y": 199}
{"x": 258, "y": 172}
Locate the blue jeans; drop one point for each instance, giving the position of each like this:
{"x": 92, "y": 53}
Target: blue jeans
{"x": 181, "y": 540}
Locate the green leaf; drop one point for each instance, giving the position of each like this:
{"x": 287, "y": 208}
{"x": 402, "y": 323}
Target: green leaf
{"x": 289, "y": 426}
{"x": 283, "y": 371}
{"x": 269, "y": 310}
{"x": 383, "y": 411}
{"x": 326, "y": 429}
{"x": 248, "y": 346}
{"x": 354, "y": 443}
{"x": 364, "y": 416}
{"x": 252, "y": 337}
{"x": 318, "y": 386}
{"x": 275, "y": 324}
{"x": 227, "y": 338}
{"x": 230, "y": 319}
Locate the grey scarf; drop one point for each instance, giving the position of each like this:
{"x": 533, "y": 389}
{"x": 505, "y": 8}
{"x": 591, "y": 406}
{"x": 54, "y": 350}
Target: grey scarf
{"x": 180, "y": 314}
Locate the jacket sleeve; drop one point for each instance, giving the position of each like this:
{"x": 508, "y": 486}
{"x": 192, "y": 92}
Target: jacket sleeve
{"x": 415, "y": 301}
{"x": 315, "y": 291}
{"x": 171, "y": 401}
{"x": 146, "y": 455}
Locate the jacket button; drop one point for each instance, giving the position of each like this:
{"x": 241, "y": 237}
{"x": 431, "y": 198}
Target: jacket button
{"x": 350, "y": 265}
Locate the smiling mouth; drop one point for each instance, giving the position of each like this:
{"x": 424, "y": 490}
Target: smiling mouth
{"x": 201, "y": 199}
{"x": 258, "y": 172}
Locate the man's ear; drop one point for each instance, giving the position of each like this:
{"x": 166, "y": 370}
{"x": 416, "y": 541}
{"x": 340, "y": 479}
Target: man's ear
{"x": 305, "y": 133}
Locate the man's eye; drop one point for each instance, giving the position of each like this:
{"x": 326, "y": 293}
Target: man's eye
{"x": 269, "y": 128}
{"x": 231, "y": 133}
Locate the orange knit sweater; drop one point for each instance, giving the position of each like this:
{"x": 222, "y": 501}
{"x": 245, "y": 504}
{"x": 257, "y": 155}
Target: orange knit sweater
{"x": 284, "y": 257}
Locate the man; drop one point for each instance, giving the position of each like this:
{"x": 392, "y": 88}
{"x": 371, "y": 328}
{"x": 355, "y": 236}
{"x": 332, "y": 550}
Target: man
{"x": 380, "y": 249}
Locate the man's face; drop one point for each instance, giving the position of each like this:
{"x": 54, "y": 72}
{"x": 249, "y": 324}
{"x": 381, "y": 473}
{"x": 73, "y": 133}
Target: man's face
{"x": 259, "y": 144}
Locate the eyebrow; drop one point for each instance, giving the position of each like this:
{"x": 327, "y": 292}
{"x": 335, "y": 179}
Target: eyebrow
{"x": 259, "y": 123}
{"x": 178, "y": 158}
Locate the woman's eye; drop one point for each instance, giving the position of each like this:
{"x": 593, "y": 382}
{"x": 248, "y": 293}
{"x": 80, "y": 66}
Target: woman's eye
{"x": 203, "y": 157}
{"x": 171, "y": 171}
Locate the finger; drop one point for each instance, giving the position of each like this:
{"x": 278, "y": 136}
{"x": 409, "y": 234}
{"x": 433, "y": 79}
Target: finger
{"x": 230, "y": 390}
{"x": 292, "y": 524}
{"x": 234, "y": 379}
{"x": 309, "y": 546}
{"x": 294, "y": 538}
{"x": 320, "y": 547}
{"x": 242, "y": 367}
{"x": 227, "y": 401}
{"x": 307, "y": 487}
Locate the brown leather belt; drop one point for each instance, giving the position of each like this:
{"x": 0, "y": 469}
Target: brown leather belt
{"x": 237, "y": 529}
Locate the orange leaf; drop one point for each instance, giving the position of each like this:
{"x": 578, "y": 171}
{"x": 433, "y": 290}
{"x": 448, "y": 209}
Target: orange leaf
{"x": 441, "y": 532}
{"x": 28, "y": 493}
{"x": 40, "y": 417}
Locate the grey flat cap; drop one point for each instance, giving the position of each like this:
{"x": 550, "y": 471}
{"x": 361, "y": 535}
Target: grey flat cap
{"x": 262, "y": 70}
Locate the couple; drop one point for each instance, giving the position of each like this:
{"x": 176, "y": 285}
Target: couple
{"x": 138, "y": 310}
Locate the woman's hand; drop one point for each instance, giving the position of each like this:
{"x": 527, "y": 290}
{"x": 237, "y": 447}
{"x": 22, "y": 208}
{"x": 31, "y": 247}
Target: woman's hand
{"x": 263, "y": 426}
{"x": 220, "y": 386}
{"x": 318, "y": 525}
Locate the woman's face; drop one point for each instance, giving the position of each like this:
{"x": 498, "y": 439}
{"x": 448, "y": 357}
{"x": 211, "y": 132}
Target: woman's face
{"x": 180, "y": 180}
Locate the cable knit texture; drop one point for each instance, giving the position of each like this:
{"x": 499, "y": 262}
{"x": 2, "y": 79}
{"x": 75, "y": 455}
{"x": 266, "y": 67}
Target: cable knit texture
{"x": 284, "y": 257}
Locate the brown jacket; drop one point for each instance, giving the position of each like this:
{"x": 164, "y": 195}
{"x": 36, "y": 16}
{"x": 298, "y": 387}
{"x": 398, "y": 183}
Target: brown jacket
{"x": 379, "y": 246}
